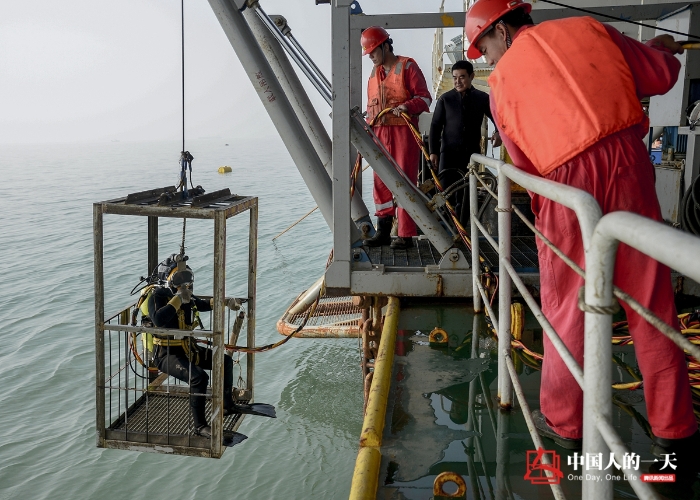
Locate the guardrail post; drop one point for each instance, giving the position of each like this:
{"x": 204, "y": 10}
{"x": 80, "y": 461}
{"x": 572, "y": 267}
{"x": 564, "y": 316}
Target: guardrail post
{"x": 98, "y": 259}
{"x": 505, "y": 384}
{"x": 476, "y": 268}
{"x": 597, "y": 352}
{"x": 502, "y": 455}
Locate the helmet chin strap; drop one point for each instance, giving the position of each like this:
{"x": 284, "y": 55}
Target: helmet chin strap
{"x": 509, "y": 40}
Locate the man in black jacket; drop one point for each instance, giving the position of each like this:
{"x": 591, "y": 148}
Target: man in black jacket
{"x": 455, "y": 132}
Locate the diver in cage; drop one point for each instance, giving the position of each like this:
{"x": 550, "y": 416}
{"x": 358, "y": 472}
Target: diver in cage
{"x": 175, "y": 306}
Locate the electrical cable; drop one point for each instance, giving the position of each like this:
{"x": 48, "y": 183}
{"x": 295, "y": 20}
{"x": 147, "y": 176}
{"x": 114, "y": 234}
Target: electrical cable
{"x": 608, "y": 16}
{"x": 690, "y": 209}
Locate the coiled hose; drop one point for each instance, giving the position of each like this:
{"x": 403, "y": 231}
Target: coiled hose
{"x": 690, "y": 209}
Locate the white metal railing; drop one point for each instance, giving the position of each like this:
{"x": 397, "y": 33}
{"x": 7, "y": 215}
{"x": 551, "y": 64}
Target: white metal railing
{"x": 600, "y": 238}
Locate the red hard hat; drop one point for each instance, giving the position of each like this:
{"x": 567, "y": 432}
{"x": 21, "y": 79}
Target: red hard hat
{"x": 372, "y": 38}
{"x": 482, "y": 15}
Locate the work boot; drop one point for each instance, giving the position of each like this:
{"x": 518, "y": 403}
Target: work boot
{"x": 544, "y": 430}
{"x": 383, "y": 234}
{"x": 683, "y": 453}
{"x": 402, "y": 243}
{"x": 204, "y": 431}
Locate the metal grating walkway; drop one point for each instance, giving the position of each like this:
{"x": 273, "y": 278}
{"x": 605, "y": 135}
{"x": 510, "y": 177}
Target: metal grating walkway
{"x": 523, "y": 254}
{"x": 420, "y": 255}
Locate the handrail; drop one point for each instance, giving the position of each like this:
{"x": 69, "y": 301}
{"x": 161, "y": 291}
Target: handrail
{"x": 660, "y": 242}
{"x": 598, "y": 431}
{"x": 365, "y": 479}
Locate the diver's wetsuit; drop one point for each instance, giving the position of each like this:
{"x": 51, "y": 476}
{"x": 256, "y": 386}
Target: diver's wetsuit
{"x": 174, "y": 361}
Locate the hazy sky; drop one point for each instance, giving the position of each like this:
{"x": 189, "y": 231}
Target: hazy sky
{"x": 86, "y": 70}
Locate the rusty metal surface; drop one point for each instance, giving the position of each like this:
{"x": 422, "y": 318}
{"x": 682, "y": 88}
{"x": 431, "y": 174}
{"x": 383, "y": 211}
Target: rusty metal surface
{"x": 334, "y": 317}
{"x": 231, "y": 205}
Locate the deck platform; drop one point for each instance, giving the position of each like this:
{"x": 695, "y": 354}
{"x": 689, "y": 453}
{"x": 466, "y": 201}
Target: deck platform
{"x": 443, "y": 415}
{"x": 420, "y": 271}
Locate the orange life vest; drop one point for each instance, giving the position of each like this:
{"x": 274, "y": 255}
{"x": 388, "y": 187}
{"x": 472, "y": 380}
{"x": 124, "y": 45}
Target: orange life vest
{"x": 561, "y": 87}
{"x": 388, "y": 93}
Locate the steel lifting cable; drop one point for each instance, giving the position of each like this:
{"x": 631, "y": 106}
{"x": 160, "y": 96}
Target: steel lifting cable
{"x": 185, "y": 156}
{"x": 618, "y": 19}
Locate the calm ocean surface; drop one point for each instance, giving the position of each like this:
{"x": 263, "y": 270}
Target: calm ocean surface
{"x": 47, "y": 407}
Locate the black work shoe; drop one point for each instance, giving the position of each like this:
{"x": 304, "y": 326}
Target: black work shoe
{"x": 686, "y": 456}
{"x": 383, "y": 234}
{"x": 402, "y": 243}
{"x": 204, "y": 431}
{"x": 544, "y": 430}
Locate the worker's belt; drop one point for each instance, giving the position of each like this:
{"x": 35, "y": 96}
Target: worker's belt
{"x": 188, "y": 345}
{"x": 170, "y": 342}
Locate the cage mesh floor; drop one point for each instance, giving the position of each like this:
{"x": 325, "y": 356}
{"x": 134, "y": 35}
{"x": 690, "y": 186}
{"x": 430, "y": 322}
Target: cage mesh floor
{"x": 162, "y": 413}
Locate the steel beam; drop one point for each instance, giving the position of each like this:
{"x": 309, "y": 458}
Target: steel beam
{"x": 279, "y": 108}
{"x": 252, "y": 294}
{"x": 338, "y": 274}
{"x": 299, "y": 99}
{"x": 456, "y": 19}
{"x": 98, "y": 259}
{"x": 219, "y": 318}
{"x": 406, "y": 193}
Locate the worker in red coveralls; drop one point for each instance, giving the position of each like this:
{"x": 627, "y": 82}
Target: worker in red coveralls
{"x": 396, "y": 82}
{"x": 568, "y": 109}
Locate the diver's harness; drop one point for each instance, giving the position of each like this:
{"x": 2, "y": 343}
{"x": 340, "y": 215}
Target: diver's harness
{"x": 188, "y": 344}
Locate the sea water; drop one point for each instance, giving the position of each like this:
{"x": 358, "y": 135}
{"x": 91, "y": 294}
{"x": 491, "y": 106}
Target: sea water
{"x": 47, "y": 350}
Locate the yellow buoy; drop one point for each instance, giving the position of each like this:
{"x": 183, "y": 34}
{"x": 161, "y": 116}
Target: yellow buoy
{"x": 224, "y": 170}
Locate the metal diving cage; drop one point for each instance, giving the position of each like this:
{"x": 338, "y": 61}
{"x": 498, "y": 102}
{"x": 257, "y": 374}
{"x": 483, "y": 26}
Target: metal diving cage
{"x": 137, "y": 407}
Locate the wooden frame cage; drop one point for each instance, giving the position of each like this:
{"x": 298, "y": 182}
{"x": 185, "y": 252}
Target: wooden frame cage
{"x": 148, "y": 411}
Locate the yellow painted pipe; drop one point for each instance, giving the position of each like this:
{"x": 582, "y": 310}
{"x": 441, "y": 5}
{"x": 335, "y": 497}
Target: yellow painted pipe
{"x": 373, "y": 425}
{"x": 365, "y": 479}
{"x": 691, "y": 46}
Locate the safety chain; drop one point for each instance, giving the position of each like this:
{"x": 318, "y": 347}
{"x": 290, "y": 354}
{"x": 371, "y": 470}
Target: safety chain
{"x": 612, "y": 309}
{"x": 182, "y": 245}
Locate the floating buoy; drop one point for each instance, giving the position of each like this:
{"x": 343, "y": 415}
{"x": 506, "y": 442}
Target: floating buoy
{"x": 224, "y": 170}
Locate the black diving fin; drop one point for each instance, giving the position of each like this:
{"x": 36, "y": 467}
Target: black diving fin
{"x": 233, "y": 438}
{"x": 260, "y": 409}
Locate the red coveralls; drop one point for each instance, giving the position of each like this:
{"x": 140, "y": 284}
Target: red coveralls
{"x": 394, "y": 133}
{"x": 617, "y": 172}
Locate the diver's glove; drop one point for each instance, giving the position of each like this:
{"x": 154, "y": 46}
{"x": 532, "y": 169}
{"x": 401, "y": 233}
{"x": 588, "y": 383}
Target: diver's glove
{"x": 233, "y": 304}
{"x": 185, "y": 294}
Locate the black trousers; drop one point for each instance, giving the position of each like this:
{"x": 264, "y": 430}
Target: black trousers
{"x": 174, "y": 362}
